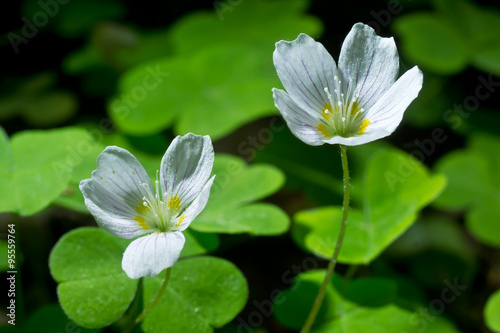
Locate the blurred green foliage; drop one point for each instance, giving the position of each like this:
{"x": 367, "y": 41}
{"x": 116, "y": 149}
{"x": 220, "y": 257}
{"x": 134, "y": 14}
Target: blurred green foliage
{"x": 395, "y": 188}
{"x": 118, "y": 79}
{"x": 458, "y": 33}
{"x": 361, "y": 305}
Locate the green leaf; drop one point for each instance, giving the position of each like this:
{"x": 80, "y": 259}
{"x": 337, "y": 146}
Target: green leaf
{"x": 430, "y": 41}
{"x": 271, "y": 21}
{"x": 198, "y": 243}
{"x": 474, "y": 186}
{"x": 213, "y": 91}
{"x": 395, "y": 187}
{"x": 37, "y": 165}
{"x": 458, "y": 34}
{"x": 465, "y": 171}
{"x": 219, "y": 78}
{"x": 478, "y": 26}
{"x": 318, "y": 171}
{"x": 488, "y": 61}
{"x": 93, "y": 289}
{"x": 72, "y": 197}
{"x": 492, "y": 312}
{"x": 230, "y": 208}
{"x": 58, "y": 322}
{"x": 482, "y": 220}
{"x": 202, "y": 293}
{"x": 362, "y": 305}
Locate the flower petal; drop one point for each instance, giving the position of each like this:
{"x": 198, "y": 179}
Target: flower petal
{"x": 149, "y": 255}
{"x": 305, "y": 69}
{"x": 302, "y": 123}
{"x": 186, "y": 167}
{"x": 388, "y": 112}
{"x": 371, "y": 61}
{"x": 195, "y": 207}
{"x": 114, "y": 192}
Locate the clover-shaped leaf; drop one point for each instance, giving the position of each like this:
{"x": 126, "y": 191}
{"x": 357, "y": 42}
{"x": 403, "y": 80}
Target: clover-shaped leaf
{"x": 271, "y": 21}
{"x": 219, "y": 77}
{"x": 93, "y": 289}
{"x": 362, "y": 305}
{"x": 457, "y": 34}
{"x": 203, "y": 293}
{"x": 474, "y": 186}
{"x": 36, "y": 166}
{"x": 395, "y": 187}
{"x": 212, "y": 91}
{"x": 230, "y": 208}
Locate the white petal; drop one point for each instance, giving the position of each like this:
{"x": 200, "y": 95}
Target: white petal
{"x": 359, "y": 139}
{"x": 302, "y": 123}
{"x": 388, "y": 112}
{"x": 196, "y": 206}
{"x": 305, "y": 69}
{"x": 186, "y": 166}
{"x": 114, "y": 192}
{"x": 371, "y": 61}
{"x": 149, "y": 255}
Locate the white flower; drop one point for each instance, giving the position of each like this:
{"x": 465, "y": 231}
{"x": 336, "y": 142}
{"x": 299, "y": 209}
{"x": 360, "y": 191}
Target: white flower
{"x": 357, "y": 102}
{"x": 124, "y": 202}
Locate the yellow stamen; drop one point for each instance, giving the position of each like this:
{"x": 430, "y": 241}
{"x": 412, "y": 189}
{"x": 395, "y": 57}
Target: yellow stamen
{"x": 141, "y": 209}
{"x": 139, "y": 218}
{"x": 322, "y": 128}
{"x": 328, "y": 111}
{"x": 180, "y": 220}
{"x": 141, "y": 221}
{"x": 355, "y": 111}
{"x": 174, "y": 203}
{"x": 362, "y": 127}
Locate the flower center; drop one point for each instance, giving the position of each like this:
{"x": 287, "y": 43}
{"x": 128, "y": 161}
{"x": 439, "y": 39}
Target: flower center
{"x": 159, "y": 212}
{"x": 342, "y": 115}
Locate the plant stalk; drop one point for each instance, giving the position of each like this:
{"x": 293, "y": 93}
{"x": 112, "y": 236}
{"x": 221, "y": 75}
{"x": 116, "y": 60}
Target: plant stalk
{"x": 331, "y": 265}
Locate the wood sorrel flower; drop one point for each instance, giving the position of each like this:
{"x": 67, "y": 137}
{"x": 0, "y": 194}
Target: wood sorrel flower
{"x": 124, "y": 202}
{"x": 357, "y": 102}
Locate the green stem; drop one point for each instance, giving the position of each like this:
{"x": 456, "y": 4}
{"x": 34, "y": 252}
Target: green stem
{"x": 158, "y": 296}
{"x": 331, "y": 265}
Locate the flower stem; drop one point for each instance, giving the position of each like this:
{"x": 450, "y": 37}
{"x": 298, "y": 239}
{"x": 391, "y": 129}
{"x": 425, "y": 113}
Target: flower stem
{"x": 331, "y": 265}
{"x": 158, "y": 296}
